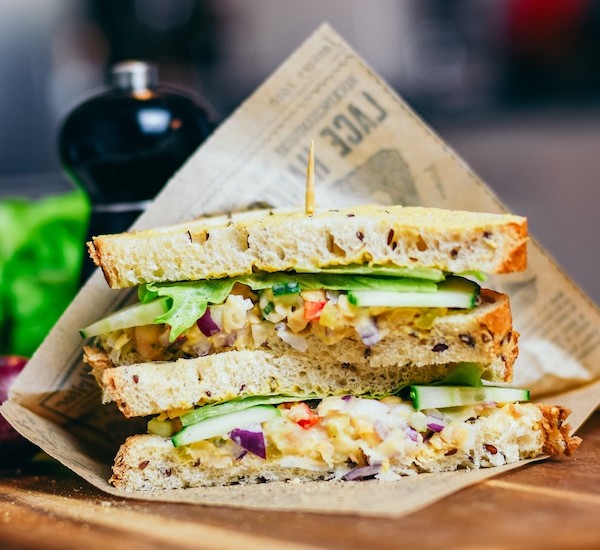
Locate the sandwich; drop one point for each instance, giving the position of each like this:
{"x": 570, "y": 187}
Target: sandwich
{"x": 343, "y": 344}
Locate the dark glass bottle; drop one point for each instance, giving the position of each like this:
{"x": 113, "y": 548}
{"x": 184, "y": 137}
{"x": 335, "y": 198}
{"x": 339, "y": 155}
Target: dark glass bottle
{"x": 122, "y": 146}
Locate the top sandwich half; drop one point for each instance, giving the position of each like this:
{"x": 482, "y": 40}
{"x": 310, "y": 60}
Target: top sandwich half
{"x": 367, "y": 298}
{"x": 273, "y": 241}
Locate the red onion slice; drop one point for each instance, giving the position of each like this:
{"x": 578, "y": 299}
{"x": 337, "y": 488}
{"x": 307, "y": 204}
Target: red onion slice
{"x": 368, "y": 331}
{"x": 206, "y": 324}
{"x": 435, "y": 424}
{"x": 411, "y": 433}
{"x": 253, "y": 440}
{"x": 363, "y": 472}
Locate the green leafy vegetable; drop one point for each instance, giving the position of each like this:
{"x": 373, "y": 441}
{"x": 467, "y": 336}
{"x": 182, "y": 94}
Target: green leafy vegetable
{"x": 189, "y": 301}
{"x": 430, "y": 274}
{"x": 146, "y": 295}
{"x": 477, "y": 275}
{"x": 287, "y": 288}
{"x": 236, "y": 405}
{"x": 463, "y": 374}
{"x": 327, "y": 281}
{"x": 41, "y": 249}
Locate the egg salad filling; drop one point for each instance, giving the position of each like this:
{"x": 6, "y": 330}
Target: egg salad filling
{"x": 364, "y": 437}
{"x": 183, "y": 320}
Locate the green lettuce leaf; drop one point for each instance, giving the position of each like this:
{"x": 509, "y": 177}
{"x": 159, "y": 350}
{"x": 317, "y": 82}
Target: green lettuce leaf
{"x": 40, "y": 260}
{"x": 463, "y": 374}
{"x": 189, "y": 301}
{"x": 146, "y": 295}
{"x": 430, "y": 274}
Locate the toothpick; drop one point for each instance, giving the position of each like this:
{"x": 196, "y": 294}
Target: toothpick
{"x": 310, "y": 180}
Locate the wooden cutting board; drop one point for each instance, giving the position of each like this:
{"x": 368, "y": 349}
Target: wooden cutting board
{"x": 553, "y": 504}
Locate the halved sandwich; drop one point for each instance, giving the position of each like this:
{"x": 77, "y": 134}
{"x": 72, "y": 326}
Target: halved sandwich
{"x": 282, "y": 345}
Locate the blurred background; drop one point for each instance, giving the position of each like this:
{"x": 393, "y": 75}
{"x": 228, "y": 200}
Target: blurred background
{"x": 512, "y": 85}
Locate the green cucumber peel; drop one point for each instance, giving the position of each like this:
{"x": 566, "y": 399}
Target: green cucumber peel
{"x": 463, "y": 374}
{"x": 440, "y": 397}
{"x": 223, "y": 424}
{"x": 330, "y": 281}
{"x": 236, "y": 405}
{"x": 131, "y": 316}
{"x": 454, "y": 292}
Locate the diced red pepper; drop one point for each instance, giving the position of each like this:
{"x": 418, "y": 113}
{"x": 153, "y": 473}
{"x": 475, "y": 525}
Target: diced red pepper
{"x": 312, "y": 310}
{"x": 306, "y": 424}
{"x": 309, "y": 417}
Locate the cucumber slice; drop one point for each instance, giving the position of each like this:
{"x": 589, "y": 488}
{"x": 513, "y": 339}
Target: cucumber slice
{"x": 220, "y": 425}
{"x": 132, "y": 316}
{"x": 332, "y": 281}
{"x": 454, "y": 292}
{"x": 438, "y": 397}
{"x": 210, "y": 411}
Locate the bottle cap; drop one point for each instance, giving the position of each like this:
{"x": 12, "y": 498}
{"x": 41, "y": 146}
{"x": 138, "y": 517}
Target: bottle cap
{"x": 134, "y": 75}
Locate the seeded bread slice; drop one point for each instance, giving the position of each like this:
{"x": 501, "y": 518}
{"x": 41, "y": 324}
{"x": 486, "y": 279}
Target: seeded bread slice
{"x": 405, "y": 354}
{"x": 511, "y": 433}
{"x": 451, "y": 240}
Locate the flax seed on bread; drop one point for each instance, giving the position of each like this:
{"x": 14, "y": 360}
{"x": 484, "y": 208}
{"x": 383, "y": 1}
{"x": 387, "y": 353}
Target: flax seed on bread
{"x": 512, "y": 433}
{"x": 451, "y": 240}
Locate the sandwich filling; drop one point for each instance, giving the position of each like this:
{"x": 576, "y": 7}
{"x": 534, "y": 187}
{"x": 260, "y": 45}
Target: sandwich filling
{"x": 193, "y": 319}
{"x": 462, "y": 388}
{"x": 356, "y": 438}
{"x": 458, "y": 419}
{"x": 368, "y": 436}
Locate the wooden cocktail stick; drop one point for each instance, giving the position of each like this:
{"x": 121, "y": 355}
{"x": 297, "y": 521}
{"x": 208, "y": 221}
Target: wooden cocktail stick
{"x": 310, "y": 180}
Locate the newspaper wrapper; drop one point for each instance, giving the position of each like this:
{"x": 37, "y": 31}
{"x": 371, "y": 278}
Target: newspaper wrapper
{"x": 370, "y": 147}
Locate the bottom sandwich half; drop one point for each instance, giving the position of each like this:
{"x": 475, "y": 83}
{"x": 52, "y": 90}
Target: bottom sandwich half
{"x": 340, "y": 438}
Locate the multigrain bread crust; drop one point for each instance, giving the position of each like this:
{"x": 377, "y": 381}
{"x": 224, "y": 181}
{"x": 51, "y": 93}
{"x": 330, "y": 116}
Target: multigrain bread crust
{"x": 405, "y": 354}
{"x": 150, "y": 462}
{"x": 451, "y": 240}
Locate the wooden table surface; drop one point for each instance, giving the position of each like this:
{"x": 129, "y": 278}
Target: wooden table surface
{"x": 553, "y": 504}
